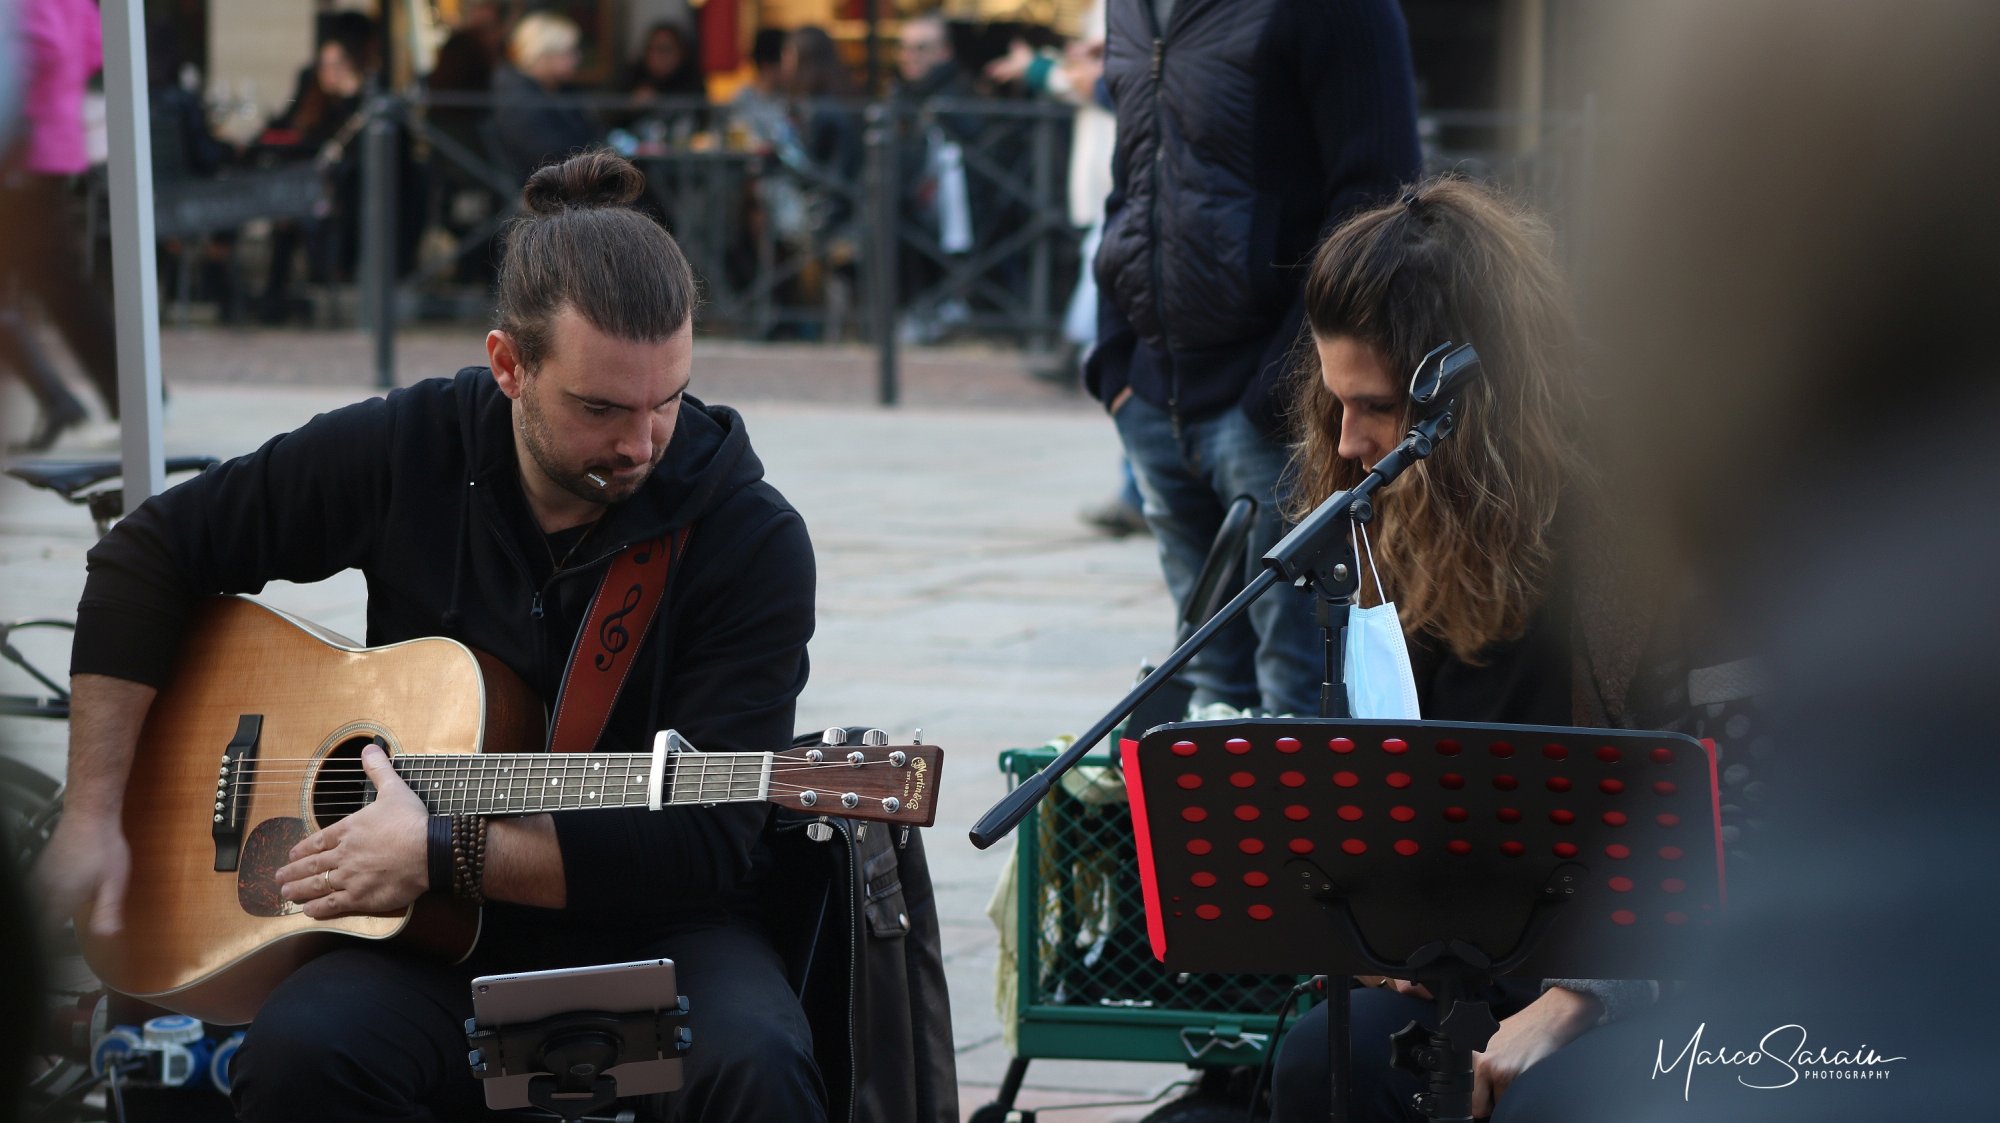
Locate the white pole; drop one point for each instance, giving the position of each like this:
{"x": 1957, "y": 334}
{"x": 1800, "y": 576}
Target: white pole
{"x": 134, "y": 273}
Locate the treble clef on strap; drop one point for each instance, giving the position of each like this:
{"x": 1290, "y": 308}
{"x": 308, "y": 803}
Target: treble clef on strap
{"x": 611, "y": 635}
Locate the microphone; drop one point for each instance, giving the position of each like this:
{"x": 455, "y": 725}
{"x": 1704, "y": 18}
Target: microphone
{"x": 1439, "y": 379}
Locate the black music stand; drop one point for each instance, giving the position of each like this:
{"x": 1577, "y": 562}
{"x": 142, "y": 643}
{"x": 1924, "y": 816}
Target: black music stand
{"x": 1449, "y": 853}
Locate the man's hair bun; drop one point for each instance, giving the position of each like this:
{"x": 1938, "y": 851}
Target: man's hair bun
{"x": 586, "y": 181}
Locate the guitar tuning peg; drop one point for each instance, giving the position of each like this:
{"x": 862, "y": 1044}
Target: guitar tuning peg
{"x": 918, "y": 739}
{"x": 834, "y": 735}
{"x": 875, "y": 738}
{"x": 819, "y": 830}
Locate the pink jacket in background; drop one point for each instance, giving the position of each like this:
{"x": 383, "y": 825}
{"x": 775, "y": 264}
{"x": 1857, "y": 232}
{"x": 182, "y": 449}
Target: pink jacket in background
{"x": 64, "y": 42}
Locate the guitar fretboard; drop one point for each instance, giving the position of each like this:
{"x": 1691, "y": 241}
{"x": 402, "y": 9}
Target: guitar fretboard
{"x": 530, "y": 783}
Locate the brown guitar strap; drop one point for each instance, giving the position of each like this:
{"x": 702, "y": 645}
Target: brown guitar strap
{"x": 620, "y": 616}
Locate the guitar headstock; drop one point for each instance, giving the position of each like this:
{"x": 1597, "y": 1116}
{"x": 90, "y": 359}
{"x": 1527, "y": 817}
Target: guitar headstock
{"x": 880, "y": 783}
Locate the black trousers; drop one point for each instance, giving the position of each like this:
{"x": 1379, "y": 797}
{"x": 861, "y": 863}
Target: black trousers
{"x": 40, "y": 242}
{"x": 1379, "y": 1093}
{"x": 366, "y": 1033}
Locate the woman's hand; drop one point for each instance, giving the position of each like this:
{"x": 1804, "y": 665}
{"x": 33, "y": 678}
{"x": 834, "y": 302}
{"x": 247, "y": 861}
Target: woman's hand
{"x": 1541, "y": 1027}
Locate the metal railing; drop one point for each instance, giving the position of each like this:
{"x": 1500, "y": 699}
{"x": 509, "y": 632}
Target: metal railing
{"x": 833, "y": 244}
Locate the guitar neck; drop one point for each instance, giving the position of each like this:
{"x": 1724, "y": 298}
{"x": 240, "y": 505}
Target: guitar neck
{"x": 531, "y": 783}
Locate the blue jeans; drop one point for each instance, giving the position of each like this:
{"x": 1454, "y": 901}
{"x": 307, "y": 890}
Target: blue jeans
{"x": 1188, "y": 475}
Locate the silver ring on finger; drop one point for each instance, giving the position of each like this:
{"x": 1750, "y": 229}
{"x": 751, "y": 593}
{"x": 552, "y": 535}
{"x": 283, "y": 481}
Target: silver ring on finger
{"x": 326, "y": 881}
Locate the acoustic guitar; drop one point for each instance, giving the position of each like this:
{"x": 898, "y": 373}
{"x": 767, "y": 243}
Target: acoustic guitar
{"x": 256, "y": 743}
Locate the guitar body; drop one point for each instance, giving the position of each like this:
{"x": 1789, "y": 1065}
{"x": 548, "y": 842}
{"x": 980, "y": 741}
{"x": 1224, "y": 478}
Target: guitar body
{"x": 213, "y": 943}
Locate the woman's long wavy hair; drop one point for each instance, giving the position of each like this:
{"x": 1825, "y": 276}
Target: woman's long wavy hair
{"x": 1464, "y": 540}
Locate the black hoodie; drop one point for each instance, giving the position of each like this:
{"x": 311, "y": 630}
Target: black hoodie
{"x": 421, "y": 491}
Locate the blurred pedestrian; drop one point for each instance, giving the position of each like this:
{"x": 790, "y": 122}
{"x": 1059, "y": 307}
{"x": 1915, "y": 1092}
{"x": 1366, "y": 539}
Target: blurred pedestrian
{"x": 534, "y": 124}
{"x": 1245, "y": 132}
{"x": 940, "y": 194}
{"x": 44, "y": 251}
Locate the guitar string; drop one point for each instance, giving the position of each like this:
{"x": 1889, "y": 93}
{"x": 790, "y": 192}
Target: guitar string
{"x": 488, "y": 766}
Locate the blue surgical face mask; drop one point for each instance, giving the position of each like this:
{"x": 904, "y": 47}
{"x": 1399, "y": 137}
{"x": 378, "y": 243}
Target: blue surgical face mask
{"x": 1380, "y": 683}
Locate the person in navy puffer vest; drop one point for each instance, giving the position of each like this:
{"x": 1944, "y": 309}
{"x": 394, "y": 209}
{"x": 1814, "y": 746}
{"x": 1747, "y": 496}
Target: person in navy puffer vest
{"x": 1247, "y": 129}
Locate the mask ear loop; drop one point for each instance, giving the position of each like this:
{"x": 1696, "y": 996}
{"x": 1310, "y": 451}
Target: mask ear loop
{"x": 1361, "y": 530}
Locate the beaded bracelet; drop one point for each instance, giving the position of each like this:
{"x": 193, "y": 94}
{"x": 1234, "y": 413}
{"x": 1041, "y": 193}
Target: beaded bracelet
{"x": 468, "y": 857}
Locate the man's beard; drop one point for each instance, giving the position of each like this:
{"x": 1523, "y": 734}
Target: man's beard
{"x": 575, "y": 480}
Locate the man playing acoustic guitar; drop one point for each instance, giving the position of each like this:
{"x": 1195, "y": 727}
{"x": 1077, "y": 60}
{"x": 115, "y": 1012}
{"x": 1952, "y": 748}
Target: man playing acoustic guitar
{"x": 489, "y": 508}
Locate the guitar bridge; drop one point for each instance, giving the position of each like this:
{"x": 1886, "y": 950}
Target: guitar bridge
{"x": 232, "y": 791}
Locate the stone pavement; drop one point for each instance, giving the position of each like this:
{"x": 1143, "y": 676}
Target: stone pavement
{"x": 958, "y": 592}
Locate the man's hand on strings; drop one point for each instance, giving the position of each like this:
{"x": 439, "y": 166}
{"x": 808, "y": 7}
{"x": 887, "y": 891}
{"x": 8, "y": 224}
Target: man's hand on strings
{"x": 373, "y": 861}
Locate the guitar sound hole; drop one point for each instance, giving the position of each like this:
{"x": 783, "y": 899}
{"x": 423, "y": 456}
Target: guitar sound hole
{"x": 339, "y": 787}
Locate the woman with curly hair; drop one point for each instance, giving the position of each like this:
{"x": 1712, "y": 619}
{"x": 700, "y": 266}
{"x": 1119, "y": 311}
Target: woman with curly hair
{"x": 1474, "y": 546}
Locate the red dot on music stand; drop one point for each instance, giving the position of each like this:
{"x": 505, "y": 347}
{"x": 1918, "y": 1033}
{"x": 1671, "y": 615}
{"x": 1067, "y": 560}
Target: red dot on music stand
{"x": 1203, "y": 879}
{"x": 1555, "y": 752}
{"x": 1456, "y": 814}
{"x": 1403, "y": 814}
{"x": 1300, "y": 846}
{"x": 1620, "y": 884}
{"x": 1673, "y": 885}
{"x": 1505, "y": 783}
{"x": 1662, "y": 755}
{"x": 1194, "y": 814}
{"x": 1609, "y": 754}
{"x": 1207, "y": 912}
{"x": 1237, "y": 745}
{"x": 1565, "y": 849}
{"x": 1671, "y": 853}
{"x": 1513, "y": 849}
{"x": 1663, "y": 787}
{"x": 1297, "y": 812}
{"x": 1676, "y": 918}
{"x": 1561, "y": 817}
{"x": 1256, "y": 879}
{"x": 1558, "y": 784}
{"x": 1251, "y": 846}
{"x": 1395, "y": 746}
{"x": 1341, "y": 745}
{"x": 1247, "y": 812}
{"x": 1184, "y": 748}
{"x": 1199, "y": 846}
{"x": 1451, "y": 781}
{"x": 1189, "y": 780}
{"x": 1448, "y": 747}
{"x": 1288, "y": 744}
{"x": 1614, "y": 818}
{"x": 1501, "y": 749}
{"x": 1508, "y": 814}
{"x": 1667, "y": 820}
{"x": 1611, "y": 787}
{"x": 1345, "y": 779}
{"x": 1406, "y": 846}
{"x": 1242, "y": 779}
{"x": 1292, "y": 779}
{"x": 1349, "y": 812}
{"x": 1459, "y": 847}
{"x": 1354, "y": 846}
{"x": 1398, "y": 779}
{"x": 1618, "y": 851}
{"x": 1260, "y": 912}
{"x": 1622, "y": 916}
